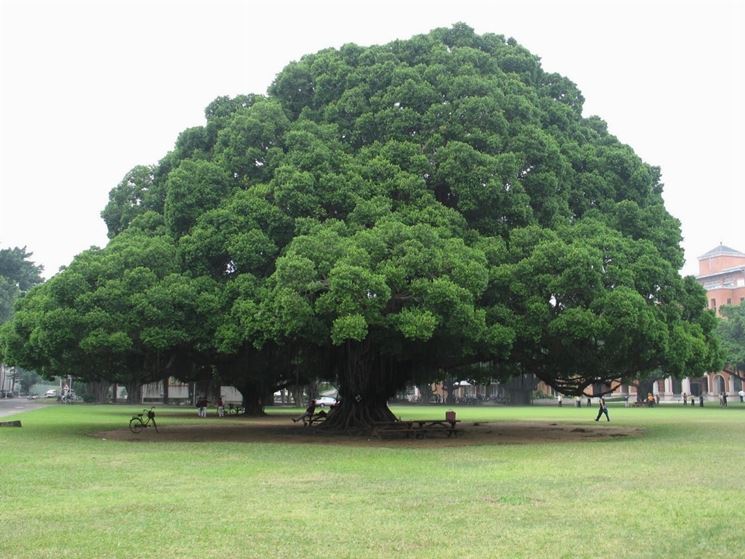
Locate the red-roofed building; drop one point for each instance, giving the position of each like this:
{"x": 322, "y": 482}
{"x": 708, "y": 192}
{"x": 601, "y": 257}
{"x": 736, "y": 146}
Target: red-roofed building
{"x": 721, "y": 271}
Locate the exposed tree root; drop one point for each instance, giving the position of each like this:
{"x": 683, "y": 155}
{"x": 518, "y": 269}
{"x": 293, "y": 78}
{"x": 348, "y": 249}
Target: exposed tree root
{"x": 352, "y": 416}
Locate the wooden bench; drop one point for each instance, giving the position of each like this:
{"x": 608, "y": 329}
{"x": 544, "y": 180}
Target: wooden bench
{"x": 419, "y": 428}
{"x": 382, "y": 429}
{"x": 439, "y": 425}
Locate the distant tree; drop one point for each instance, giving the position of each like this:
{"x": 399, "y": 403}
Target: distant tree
{"x": 26, "y": 379}
{"x": 18, "y": 274}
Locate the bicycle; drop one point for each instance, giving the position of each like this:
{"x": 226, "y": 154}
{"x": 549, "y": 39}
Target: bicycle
{"x": 234, "y": 410}
{"x": 137, "y": 423}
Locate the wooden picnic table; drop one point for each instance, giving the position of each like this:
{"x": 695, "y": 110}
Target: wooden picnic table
{"x": 417, "y": 427}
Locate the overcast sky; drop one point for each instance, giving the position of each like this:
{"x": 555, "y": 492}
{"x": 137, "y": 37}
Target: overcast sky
{"x": 89, "y": 89}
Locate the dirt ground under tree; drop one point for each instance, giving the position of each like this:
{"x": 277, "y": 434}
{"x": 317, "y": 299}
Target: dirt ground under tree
{"x": 283, "y": 430}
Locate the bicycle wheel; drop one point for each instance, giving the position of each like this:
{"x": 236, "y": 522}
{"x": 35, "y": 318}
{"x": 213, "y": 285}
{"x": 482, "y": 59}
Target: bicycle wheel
{"x": 135, "y": 425}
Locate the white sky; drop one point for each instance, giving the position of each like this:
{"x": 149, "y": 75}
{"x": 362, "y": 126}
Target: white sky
{"x": 89, "y": 89}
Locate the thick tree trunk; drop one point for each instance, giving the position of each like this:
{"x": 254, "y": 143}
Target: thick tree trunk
{"x": 134, "y": 393}
{"x": 643, "y": 388}
{"x": 99, "y": 390}
{"x": 366, "y": 382}
{"x": 351, "y": 415}
{"x": 448, "y": 386}
{"x": 253, "y": 404}
{"x": 166, "y": 385}
{"x": 253, "y": 401}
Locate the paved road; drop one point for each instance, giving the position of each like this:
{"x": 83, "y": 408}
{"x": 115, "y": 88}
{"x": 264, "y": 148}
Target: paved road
{"x": 10, "y": 406}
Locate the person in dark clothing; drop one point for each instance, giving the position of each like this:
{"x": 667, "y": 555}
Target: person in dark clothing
{"x": 309, "y": 412}
{"x": 602, "y": 409}
{"x": 202, "y": 407}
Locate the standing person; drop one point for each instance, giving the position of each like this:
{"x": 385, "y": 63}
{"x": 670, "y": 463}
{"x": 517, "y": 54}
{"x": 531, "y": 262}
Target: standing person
{"x": 220, "y": 407}
{"x": 685, "y": 398}
{"x": 701, "y": 400}
{"x": 202, "y": 407}
{"x": 577, "y": 402}
{"x": 741, "y": 394}
{"x": 602, "y": 409}
{"x": 560, "y": 399}
{"x": 589, "y": 401}
{"x": 724, "y": 399}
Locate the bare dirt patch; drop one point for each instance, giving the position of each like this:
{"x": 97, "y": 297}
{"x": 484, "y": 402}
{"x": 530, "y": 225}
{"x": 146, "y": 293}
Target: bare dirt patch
{"x": 282, "y": 430}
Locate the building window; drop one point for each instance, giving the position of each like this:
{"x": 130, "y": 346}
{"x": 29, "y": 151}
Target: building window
{"x": 729, "y": 301}
{"x": 713, "y": 304}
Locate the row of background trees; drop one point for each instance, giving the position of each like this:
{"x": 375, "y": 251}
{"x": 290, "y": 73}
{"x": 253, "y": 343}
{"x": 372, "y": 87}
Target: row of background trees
{"x": 385, "y": 215}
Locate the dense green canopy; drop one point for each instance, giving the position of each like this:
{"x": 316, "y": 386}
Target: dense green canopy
{"x": 18, "y": 274}
{"x": 384, "y": 213}
{"x": 732, "y": 334}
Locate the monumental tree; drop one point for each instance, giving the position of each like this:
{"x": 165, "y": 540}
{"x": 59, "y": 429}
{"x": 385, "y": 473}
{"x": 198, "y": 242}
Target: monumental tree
{"x": 388, "y": 213}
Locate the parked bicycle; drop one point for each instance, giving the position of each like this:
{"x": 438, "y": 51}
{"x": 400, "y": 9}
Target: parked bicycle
{"x": 234, "y": 410}
{"x": 143, "y": 421}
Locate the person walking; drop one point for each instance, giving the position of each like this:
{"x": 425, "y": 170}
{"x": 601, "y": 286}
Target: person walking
{"x": 602, "y": 409}
{"x": 220, "y": 407}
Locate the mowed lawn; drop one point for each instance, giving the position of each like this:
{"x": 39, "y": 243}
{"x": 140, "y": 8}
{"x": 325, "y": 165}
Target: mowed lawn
{"x": 676, "y": 491}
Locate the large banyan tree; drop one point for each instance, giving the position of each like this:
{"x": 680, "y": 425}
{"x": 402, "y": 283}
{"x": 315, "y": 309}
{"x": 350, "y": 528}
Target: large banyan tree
{"x": 387, "y": 212}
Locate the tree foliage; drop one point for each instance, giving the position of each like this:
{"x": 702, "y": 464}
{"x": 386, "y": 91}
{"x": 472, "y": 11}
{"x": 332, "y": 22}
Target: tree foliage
{"x": 18, "y": 274}
{"x": 731, "y": 331}
{"x": 382, "y": 214}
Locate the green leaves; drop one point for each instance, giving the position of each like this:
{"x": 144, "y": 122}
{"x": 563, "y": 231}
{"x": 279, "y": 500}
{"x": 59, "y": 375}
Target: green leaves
{"x": 191, "y": 189}
{"x": 731, "y": 331}
{"x": 348, "y": 327}
{"x": 431, "y": 203}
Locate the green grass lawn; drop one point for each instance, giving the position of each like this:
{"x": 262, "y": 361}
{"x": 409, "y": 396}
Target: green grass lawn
{"x": 676, "y": 491}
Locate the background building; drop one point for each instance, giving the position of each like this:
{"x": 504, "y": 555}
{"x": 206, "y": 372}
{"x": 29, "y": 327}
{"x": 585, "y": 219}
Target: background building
{"x": 722, "y": 273}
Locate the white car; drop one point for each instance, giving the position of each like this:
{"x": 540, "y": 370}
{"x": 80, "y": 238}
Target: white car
{"x": 51, "y": 393}
{"x": 324, "y": 401}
